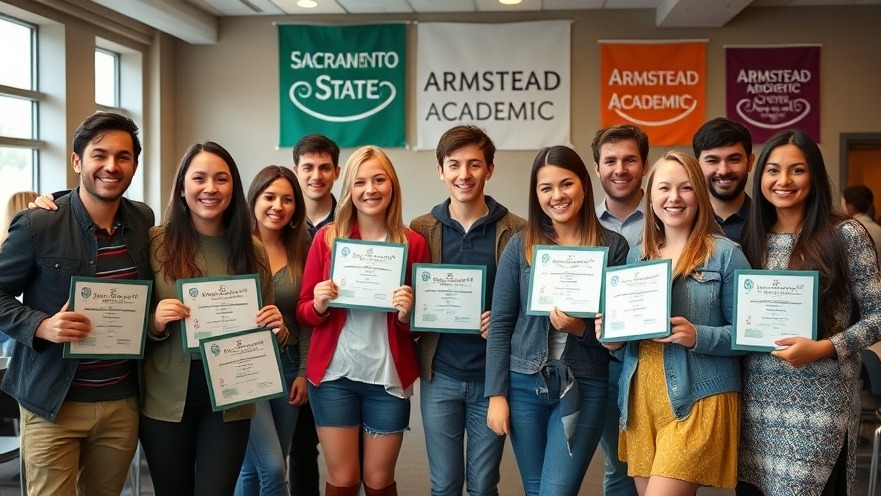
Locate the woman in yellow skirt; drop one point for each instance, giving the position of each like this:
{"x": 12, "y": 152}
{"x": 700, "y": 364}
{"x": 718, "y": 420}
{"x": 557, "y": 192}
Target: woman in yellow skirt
{"x": 679, "y": 395}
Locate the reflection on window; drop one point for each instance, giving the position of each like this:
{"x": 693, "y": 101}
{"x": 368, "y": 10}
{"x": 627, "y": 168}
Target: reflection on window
{"x": 16, "y": 169}
{"x": 106, "y": 78}
{"x": 16, "y": 64}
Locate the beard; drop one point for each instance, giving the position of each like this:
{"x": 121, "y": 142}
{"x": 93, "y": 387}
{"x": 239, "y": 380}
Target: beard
{"x": 728, "y": 195}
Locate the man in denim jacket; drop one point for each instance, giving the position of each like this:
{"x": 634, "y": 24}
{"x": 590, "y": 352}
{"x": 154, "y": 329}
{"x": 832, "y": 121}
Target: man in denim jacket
{"x": 79, "y": 417}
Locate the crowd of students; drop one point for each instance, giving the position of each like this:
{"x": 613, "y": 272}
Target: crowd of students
{"x": 672, "y": 414}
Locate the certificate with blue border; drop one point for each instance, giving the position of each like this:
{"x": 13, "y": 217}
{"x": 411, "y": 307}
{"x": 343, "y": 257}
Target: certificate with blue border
{"x": 117, "y": 309}
{"x": 448, "y": 298}
{"x": 567, "y": 277}
{"x": 242, "y": 367}
{"x": 636, "y": 303}
{"x": 218, "y": 306}
{"x": 774, "y": 304}
{"x": 367, "y": 273}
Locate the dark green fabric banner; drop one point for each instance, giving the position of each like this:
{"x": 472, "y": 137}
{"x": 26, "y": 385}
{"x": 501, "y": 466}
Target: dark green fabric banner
{"x": 345, "y": 82}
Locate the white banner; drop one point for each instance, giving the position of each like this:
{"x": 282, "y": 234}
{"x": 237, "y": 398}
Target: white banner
{"x": 510, "y": 79}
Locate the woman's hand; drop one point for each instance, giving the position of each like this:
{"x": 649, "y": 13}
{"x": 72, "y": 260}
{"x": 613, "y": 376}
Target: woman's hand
{"x": 270, "y": 317}
{"x": 566, "y": 323}
{"x": 498, "y": 416}
{"x": 323, "y": 292}
{"x": 484, "y": 324}
{"x": 598, "y": 329}
{"x": 168, "y": 310}
{"x": 299, "y": 392}
{"x": 402, "y": 300}
{"x": 802, "y": 351}
{"x": 682, "y": 332}
{"x": 46, "y": 202}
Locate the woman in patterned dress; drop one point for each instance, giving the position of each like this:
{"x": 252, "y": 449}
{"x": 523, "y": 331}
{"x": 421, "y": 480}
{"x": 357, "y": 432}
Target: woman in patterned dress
{"x": 800, "y": 403}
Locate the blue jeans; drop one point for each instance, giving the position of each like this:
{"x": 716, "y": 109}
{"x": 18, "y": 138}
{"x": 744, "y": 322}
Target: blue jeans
{"x": 546, "y": 467}
{"x": 616, "y": 482}
{"x": 272, "y": 427}
{"x": 450, "y": 408}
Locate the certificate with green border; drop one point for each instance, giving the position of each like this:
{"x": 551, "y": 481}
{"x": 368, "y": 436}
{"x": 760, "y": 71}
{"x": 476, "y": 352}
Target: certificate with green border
{"x": 243, "y": 367}
{"x": 637, "y": 300}
{"x": 774, "y": 304}
{"x": 218, "y": 306}
{"x": 118, "y": 310}
{"x": 448, "y": 298}
{"x": 567, "y": 277}
{"x": 367, "y": 273}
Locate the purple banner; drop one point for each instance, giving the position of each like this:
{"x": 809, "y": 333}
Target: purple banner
{"x": 774, "y": 88}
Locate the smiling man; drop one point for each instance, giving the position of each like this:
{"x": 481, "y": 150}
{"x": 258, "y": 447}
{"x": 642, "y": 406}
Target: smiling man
{"x": 79, "y": 416}
{"x": 724, "y": 149}
{"x": 316, "y": 165}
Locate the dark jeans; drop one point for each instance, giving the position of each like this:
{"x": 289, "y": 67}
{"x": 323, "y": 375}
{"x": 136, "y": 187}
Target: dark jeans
{"x": 200, "y": 455}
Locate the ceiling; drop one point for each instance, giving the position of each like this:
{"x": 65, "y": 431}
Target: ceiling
{"x": 195, "y": 21}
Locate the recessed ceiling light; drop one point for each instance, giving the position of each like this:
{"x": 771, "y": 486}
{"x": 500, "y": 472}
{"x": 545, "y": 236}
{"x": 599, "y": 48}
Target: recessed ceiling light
{"x": 307, "y": 4}
{"x": 509, "y": 2}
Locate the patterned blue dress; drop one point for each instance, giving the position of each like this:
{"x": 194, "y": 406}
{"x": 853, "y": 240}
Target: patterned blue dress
{"x": 794, "y": 420}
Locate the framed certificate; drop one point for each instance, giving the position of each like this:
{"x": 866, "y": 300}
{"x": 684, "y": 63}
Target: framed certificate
{"x": 448, "y": 298}
{"x": 118, "y": 312}
{"x": 567, "y": 277}
{"x": 218, "y": 306}
{"x": 243, "y": 367}
{"x": 637, "y": 301}
{"x": 774, "y": 304}
{"x": 367, "y": 273}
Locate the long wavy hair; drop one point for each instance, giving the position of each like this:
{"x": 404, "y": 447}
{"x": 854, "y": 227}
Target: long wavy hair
{"x": 346, "y": 214}
{"x": 177, "y": 255}
{"x": 293, "y": 234}
{"x": 700, "y": 245}
{"x": 540, "y": 227}
{"x": 817, "y": 244}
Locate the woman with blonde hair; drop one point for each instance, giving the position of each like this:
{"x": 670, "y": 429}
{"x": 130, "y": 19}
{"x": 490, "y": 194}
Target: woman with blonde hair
{"x": 362, "y": 364}
{"x": 18, "y": 201}
{"x": 679, "y": 395}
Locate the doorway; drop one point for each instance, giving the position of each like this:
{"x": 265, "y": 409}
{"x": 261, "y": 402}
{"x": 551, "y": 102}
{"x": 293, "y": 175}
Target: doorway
{"x": 860, "y": 163}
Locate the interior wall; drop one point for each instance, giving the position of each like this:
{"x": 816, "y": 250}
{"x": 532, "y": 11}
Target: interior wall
{"x": 228, "y": 92}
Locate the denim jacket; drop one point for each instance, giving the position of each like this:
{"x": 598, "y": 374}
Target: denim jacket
{"x": 43, "y": 251}
{"x": 518, "y": 342}
{"x": 706, "y": 298}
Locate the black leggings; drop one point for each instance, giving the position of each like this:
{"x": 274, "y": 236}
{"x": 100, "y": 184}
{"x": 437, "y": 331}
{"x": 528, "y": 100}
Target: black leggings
{"x": 201, "y": 455}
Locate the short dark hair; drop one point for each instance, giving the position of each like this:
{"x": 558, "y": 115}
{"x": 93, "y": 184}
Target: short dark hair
{"x": 99, "y": 123}
{"x": 860, "y": 197}
{"x": 461, "y": 136}
{"x": 620, "y": 132}
{"x": 317, "y": 143}
{"x": 721, "y": 132}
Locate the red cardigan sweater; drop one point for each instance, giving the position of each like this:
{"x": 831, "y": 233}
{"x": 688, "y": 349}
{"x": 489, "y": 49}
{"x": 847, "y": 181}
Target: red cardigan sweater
{"x": 326, "y": 329}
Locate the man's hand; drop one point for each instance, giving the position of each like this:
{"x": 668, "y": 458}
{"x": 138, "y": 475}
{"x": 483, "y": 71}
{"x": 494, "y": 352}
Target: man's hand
{"x": 64, "y": 327}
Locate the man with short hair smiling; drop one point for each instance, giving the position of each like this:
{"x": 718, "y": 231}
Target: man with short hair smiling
{"x": 79, "y": 416}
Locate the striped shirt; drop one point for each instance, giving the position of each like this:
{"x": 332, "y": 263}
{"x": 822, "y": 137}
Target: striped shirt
{"x": 106, "y": 380}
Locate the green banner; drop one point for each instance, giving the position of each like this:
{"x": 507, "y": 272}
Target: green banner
{"x": 345, "y": 82}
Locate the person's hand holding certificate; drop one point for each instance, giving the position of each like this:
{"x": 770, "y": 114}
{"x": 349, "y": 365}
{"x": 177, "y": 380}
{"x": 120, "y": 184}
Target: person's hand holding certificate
{"x": 448, "y": 298}
{"x": 569, "y": 278}
{"x": 771, "y": 305}
{"x": 218, "y": 306}
{"x": 366, "y": 274}
{"x": 636, "y": 304}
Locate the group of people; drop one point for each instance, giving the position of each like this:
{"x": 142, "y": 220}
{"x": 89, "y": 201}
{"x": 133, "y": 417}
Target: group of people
{"x": 671, "y": 414}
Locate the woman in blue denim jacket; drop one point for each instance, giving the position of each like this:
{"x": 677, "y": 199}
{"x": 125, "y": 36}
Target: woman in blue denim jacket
{"x": 680, "y": 407}
{"x": 546, "y": 378}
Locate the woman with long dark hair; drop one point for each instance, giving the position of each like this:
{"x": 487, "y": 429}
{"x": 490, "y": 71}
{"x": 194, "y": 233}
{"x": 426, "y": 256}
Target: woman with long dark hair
{"x": 800, "y": 403}
{"x": 544, "y": 371}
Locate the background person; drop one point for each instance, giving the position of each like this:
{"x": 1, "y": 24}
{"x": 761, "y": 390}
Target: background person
{"x": 858, "y": 202}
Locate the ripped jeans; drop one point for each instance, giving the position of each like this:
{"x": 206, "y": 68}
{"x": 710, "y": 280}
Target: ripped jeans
{"x": 537, "y": 436}
{"x": 346, "y": 403}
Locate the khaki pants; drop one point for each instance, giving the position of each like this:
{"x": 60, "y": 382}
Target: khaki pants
{"x": 87, "y": 450}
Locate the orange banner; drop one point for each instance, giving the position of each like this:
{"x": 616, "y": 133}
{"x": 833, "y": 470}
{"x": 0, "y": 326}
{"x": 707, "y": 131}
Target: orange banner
{"x": 658, "y": 86}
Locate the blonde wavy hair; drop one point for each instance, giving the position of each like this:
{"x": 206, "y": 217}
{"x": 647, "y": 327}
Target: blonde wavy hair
{"x": 17, "y": 202}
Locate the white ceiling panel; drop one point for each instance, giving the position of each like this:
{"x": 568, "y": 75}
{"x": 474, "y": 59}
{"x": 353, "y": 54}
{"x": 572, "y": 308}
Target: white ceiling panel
{"x": 324, "y": 7}
{"x": 572, "y": 4}
{"x": 443, "y": 5}
{"x": 495, "y": 6}
{"x": 376, "y": 6}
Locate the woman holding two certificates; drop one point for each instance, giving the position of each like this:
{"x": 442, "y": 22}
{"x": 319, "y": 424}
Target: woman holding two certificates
{"x": 800, "y": 408}
{"x": 680, "y": 408}
{"x": 362, "y": 363}
{"x": 546, "y": 375}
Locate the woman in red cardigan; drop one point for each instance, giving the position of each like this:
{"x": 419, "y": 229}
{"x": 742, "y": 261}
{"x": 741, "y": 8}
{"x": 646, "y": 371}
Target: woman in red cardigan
{"x": 361, "y": 364}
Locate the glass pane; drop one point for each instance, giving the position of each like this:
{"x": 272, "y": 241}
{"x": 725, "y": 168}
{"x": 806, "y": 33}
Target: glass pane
{"x": 16, "y": 117}
{"x": 17, "y": 171}
{"x": 105, "y": 78}
{"x": 16, "y": 63}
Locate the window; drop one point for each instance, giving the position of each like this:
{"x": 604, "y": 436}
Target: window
{"x": 106, "y": 79}
{"x": 19, "y": 99}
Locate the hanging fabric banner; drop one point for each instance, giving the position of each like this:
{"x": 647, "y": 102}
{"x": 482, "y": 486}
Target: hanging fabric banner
{"x": 510, "y": 79}
{"x": 659, "y": 86}
{"x": 769, "y": 88}
{"x": 345, "y": 82}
